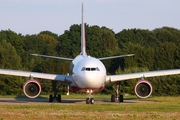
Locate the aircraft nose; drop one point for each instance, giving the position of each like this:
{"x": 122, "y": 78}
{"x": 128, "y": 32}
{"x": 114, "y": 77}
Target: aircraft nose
{"x": 94, "y": 81}
{"x": 90, "y": 81}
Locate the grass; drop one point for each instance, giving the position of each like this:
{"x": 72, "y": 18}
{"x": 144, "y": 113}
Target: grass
{"x": 163, "y": 108}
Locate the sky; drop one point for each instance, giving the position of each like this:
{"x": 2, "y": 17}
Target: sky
{"x": 34, "y": 16}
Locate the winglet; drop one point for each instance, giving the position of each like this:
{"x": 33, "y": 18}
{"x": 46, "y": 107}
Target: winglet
{"x": 83, "y": 39}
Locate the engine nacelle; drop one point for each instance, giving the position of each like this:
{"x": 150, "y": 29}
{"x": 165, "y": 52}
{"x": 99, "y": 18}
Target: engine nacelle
{"x": 32, "y": 88}
{"x": 143, "y": 89}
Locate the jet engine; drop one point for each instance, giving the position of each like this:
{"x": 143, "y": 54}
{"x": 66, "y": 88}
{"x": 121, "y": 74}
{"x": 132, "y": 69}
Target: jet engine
{"x": 32, "y": 88}
{"x": 143, "y": 89}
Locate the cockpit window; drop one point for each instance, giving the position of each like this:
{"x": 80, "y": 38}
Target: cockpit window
{"x": 93, "y": 69}
{"x": 97, "y": 69}
{"x": 83, "y": 69}
{"x": 90, "y": 69}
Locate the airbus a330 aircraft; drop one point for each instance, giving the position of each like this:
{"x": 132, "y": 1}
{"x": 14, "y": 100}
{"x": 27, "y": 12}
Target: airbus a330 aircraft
{"x": 88, "y": 75}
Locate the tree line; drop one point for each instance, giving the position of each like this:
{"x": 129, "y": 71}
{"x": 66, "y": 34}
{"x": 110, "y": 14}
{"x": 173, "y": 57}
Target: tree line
{"x": 154, "y": 50}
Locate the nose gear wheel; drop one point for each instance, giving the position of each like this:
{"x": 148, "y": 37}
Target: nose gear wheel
{"x": 89, "y": 100}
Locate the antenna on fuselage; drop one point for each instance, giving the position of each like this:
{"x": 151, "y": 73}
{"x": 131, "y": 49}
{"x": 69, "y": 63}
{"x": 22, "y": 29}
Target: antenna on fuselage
{"x": 83, "y": 39}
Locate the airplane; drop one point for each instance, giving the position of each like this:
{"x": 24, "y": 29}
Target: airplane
{"x": 88, "y": 75}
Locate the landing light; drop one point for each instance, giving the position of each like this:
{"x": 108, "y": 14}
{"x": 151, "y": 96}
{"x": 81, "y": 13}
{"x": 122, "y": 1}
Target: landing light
{"x": 89, "y": 91}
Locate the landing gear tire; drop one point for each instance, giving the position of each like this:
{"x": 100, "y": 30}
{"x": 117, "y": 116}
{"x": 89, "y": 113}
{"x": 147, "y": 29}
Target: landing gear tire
{"x": 90, "y": 101}
{"x": 87, "y": 100}
{"x": 51, "y": 98}
{"x": 121, "y": 99}
{"x": 58, "y": 98}
{"x": 113, "y": 98}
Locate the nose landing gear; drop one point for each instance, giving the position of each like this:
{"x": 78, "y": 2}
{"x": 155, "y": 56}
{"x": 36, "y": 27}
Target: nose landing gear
{"x": 89, "y": 100}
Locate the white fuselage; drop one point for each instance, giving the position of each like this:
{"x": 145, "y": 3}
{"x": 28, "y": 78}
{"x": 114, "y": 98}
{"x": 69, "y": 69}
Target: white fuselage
{"x": 88, "y": 73}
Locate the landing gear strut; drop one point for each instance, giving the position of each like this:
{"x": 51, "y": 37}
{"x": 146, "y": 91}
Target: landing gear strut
{"x": 118, "y": 97}
{"x": 89, "y": 100}
{"x": 55, "y": 90}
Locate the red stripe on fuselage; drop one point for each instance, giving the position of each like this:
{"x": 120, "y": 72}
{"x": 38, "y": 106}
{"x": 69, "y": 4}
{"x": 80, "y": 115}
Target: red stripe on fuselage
{"x": 77, "y": 89}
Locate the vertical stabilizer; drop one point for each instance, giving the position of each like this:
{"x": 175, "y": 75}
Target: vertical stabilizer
{"x": 83, "y": 39}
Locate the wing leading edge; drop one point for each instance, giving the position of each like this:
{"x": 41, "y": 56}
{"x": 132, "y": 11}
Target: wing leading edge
{"x": 111, "y": 57}
{"x": 61, "y": 58}
{"x": 115, "y": 78}
{"x": 61, "y": 78}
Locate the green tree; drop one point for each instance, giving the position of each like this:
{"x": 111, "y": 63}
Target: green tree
{"x": 9, "y": 59}
{"x": 15, "y": 39}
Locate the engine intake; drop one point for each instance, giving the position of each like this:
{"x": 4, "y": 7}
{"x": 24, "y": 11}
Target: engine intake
{"x": 32, "y": 88}
{"x": 143, "y": 89}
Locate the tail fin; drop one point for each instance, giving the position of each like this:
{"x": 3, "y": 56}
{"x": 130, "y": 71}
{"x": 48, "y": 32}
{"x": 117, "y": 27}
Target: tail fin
{"x": 83, "y": 39}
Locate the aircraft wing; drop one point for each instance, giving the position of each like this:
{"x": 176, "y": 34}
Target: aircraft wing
{"x": 115, "y": 78}
{"x": 60, "y": 78}
{"x": 111, "y": 57}
{"x": 61, "y": 58}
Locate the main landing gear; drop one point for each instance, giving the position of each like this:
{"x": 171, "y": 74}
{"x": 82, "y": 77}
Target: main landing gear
{"x": 55, "y": 90}
{"x": 89, "y": 100}
{"x": 118, "y": 97}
